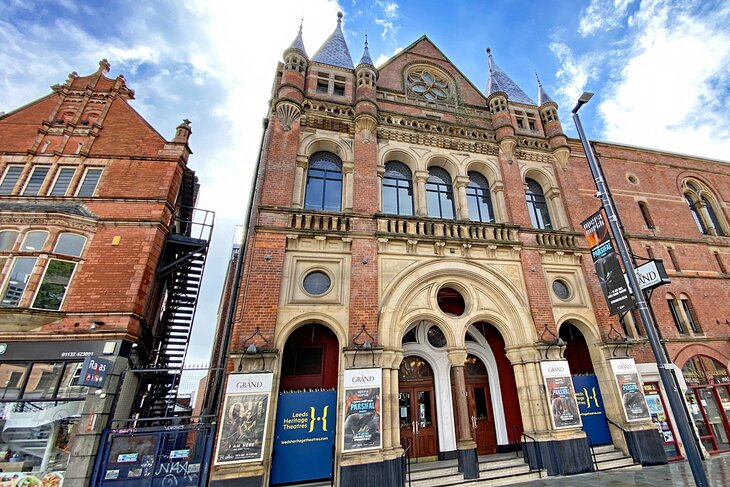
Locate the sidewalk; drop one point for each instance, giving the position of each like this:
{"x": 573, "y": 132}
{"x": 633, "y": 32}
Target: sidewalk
{"x": 674, "y": 474}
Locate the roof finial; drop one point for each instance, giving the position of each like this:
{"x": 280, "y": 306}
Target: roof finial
{"x": 489, "y": 57}
{"x": 339, "y": 17}
{"x": 366, "y": 39}
{"x": 301, "y": 24}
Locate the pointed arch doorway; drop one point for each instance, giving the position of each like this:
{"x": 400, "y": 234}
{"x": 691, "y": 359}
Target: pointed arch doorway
{"x": 416, "y": 406}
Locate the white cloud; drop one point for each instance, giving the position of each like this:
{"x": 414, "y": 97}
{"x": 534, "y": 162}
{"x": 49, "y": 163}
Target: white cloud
{"x": 386, "y": 17}
{"x": 384, "y": 57}
{"x": 672, "y": 92}
{"x": 602, "y": 15}
{"x": 573, "y": 75}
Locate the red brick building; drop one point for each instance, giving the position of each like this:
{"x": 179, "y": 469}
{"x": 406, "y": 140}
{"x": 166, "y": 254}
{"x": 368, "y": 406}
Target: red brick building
{"x": 414, "y": 245}
{"x": 95, "y": 215}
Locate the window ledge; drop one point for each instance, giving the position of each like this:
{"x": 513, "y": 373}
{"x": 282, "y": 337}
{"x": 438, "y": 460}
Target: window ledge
{"x": 26, "y": 319}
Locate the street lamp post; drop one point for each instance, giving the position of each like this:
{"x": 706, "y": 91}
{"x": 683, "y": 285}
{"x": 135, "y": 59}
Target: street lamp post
{"x": 663, "y": 364}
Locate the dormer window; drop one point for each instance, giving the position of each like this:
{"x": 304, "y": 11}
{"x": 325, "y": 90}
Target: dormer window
{"x": 331, "y": 84}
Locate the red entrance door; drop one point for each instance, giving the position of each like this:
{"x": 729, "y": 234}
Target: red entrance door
{"x": 479, "y": 406}
{"x": 418, "y": 427}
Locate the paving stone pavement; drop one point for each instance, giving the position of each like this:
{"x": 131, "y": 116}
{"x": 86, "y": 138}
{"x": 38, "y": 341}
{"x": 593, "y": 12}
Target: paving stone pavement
{"x": 674, "y": 474}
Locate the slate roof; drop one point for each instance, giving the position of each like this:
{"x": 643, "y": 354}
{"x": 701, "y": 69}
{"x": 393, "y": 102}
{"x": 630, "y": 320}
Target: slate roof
{"x": 77, "y": 209}
{"x": 500, "y": 81}
{"x": 542, "y": 96}
{"x": 334, "y": 51}
{"x": 366, "y": 59}
{"x": 298, "y": 43}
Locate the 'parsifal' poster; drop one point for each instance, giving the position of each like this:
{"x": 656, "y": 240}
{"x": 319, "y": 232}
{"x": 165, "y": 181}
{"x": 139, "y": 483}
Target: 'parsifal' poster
{"x": 561, "y": 396}
{"x": 243, "y": 424}
{"x": 630, "y": 389}
{"x": 362, "y": 428}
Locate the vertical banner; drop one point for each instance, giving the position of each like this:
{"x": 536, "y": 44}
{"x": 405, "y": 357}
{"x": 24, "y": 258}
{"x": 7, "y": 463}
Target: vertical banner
{"x": 242, "y": 426}
{"x": 362, "y": 426}
{"x": 592, "y": 412}
{"x": 304, "y": 437}
{"x": 630, "y": 389}
{"x": 608, "y": 270}
{"x": 561, "y": 396}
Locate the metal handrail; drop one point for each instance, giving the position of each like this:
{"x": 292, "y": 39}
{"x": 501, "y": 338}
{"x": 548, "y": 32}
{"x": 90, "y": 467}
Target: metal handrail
{"x": 537, "y": 454}
{"x": 625, "y": 432}
{"x": 407, "y": 456}
{"x": 514, "y": 442}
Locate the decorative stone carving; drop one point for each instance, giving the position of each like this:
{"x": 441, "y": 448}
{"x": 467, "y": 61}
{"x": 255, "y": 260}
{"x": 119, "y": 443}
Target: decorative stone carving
{"x": 367, "y": 127}
{"x": 561, "y": 155}
{"x": 507, "y": 146}
{"x": 287, "y": 113}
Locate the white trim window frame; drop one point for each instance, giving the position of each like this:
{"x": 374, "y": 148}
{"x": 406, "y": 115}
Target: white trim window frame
{"x": 67, "y": 180}
{"x": 50, "y": 287}
{"x": 17, "y": 170}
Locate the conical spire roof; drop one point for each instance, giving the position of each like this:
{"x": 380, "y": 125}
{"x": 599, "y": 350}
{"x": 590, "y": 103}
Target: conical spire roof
{"x": 334, "y": 51}
{"x": 500, "y": 81}
{"x": 542, "y": 96}
{"x": 366, "y": 59}
{"x": 298, "y": 43}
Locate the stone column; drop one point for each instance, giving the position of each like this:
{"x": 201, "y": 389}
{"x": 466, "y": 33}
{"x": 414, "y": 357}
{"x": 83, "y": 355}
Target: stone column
{"x": 381, "y": 174}
{"x": 348, "y": 169}
{"x": 421, "y": 208}
{"x": 388, "y": 412}
{"x": 394, "y": 390}
{"x": 462, "y": 210}
{"x": 297, "y": 200}
{"x": 466, "y": 446}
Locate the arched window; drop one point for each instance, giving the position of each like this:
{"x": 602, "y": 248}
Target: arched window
{"x": 324, "y": 182}
{"x": 397, "y": 189}
{"x": 479, "y": 199}
{"x": 703, "y": 209}
{"x": 696, "y": 216}
{"x": 536, "y": 205}
{"x": 439, "y": 194}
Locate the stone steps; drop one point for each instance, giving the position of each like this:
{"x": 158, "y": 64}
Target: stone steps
{"x": 492, "y": 472}
{"x": 609, "y": 457}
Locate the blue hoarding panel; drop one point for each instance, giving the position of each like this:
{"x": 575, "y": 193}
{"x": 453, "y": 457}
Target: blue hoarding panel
{"x": 304, "y": 436}
{"x": 592, "y": 412}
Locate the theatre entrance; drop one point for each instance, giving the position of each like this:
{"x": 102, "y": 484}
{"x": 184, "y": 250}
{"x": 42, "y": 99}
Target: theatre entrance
{"x": 479, "y": 405}
{"x": 417, "y": 413}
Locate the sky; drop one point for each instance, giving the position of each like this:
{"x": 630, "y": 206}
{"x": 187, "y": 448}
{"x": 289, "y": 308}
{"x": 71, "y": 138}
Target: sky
{"x": 660, "y": 71}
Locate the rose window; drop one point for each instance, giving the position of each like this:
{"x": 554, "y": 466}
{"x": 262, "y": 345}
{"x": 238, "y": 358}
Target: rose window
{"x": 429, "y": 85}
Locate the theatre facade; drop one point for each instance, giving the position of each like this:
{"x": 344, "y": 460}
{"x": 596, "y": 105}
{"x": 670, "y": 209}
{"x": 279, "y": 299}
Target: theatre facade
{"x": 414, "y": 282}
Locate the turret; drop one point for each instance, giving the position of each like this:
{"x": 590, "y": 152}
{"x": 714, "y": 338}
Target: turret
{"x": 291, "y": 89}
{"x": 553, "y": 129}
{"x": 497, "y": 98}
{"x": 366, "y": 110}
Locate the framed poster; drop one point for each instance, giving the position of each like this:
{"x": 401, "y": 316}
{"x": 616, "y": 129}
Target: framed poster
{"x": 362, "y": 425}
{"x": 630, "y": 389}
{"x": 561, "y": 396}
{"x": 243, "y": 423}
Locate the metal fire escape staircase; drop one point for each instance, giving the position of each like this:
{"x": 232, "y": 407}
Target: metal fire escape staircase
{"x": 181, "y": 270}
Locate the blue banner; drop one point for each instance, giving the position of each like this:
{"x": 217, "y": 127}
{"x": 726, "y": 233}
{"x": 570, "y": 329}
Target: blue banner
{"x": 304, "y": 436}
{"x": 592, "y": 412}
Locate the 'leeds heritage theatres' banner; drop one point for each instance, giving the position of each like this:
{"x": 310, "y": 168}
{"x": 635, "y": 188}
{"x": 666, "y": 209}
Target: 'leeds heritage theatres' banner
{"x": 608, "y": 270}
{"x": 362, "y": 428}
{"x": 630, "y": 389}
{"x": 561, "y": 396}
{"x": 241, "y": 435}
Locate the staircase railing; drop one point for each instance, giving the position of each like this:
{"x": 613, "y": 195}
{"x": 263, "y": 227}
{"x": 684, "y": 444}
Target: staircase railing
{"x": 593, "y": 453}
{"x": 625, "y": 432}
{"x": 406, "y": 444}
{"x": 538, "y": 454}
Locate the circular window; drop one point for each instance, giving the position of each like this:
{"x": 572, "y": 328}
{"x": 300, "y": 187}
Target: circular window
{"x": 450, "y": 301}
{"x": 632, "y": 178}
{"x": 561, "y": 289}
{"x": 317, "y": 283}
{"x": 436, "y": 337}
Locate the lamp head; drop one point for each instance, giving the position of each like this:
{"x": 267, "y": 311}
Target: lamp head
{"x": 584, "y": 98}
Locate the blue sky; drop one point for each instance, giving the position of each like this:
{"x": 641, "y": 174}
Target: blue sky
{"x": 660, "y": 71}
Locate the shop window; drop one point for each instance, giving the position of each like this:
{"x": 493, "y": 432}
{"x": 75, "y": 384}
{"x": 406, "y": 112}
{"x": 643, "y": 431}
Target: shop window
{"x": 324, "y": 182}
{"x": 537, "y": 205}
{"x": 439, "y": 194}
{"x": 708, "y": 399}
{"x": 34, "y": 240}
{"x": 37, "y": 176}
{"x": 479, "y": 198}
{"x": 7, "y": 239}
{"x": 89, "y": 182}
{"x": 397, "y": 189}
{"x": 12, "y": 375}
{"x": 10, "y": 179}
{"x": 63, "y": 181}
{"x": 43, "y": 380}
